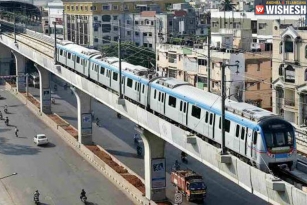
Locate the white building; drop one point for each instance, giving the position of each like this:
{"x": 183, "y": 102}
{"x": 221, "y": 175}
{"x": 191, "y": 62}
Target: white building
{"x": 55, "y": 14}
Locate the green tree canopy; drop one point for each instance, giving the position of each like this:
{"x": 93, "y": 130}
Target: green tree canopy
{"x": 131, "y": 53}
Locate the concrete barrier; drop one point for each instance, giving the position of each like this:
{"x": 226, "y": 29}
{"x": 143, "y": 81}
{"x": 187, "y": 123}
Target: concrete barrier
{"x": 132, "y": 192}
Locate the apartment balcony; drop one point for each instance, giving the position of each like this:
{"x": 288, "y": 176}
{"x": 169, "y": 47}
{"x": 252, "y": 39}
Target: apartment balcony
{"x": 289, "y": 103}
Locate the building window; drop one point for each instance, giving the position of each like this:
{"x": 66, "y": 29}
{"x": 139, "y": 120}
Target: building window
{"x": 144, "y": 34}
{"x": 105, "y": 7}
{"x": 280, "y": 47}
{"x": 280, "y": 70}
{"x": 258, "y": 86}
{"x": 305, "y": 51}
{"x": 115, "y": 17}
{"x": 77, "y": 8}
{"x": 172, "y": 73}
{"x": 128, "y": 21}
{"x": 145, "y": 44}
{"x": 150, "y": 45}
{"x": 96, "y": 40}
{"x": 115, "y": 7}
{"x": 150, "y": 33}
{"x": 85, "y": 8}
{"x": 68, "y": 8}
{"x": 93, "y": 8}
{"x": 126, "y": 7}
{"x": 289, "y": 74}
{"x": 202, "y": 62}
{"x": 261, "y": 25}
{"x": 106, "y": 28}
{"x": 137, "y": 44}
{"x": 136, "y": 22}
{"x": 214, "y": 24}
{"x": 137, "y": 33}
{"x": 95, "y": 18}
{"x": 95, "y": 28}
{"x": 115, "y": 28}
{"x": 72, "y": 8}
{"x": 106, "y": 18}
{"x": 81, "y": 8}
{"x": 305, "y": 74}
{"x": 288, "y": 44}
{"x": 258, "y": 66}
{"x": 115, "y": 38}
{"x": 128, "y": 33}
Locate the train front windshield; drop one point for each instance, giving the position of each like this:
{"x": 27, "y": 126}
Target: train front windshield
{"x": 279, "y": 137}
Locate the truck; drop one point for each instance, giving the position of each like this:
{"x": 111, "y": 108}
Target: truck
{"x": 190, "y": 184}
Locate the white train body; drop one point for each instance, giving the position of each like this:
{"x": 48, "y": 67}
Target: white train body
{"x": 254, "y": 134}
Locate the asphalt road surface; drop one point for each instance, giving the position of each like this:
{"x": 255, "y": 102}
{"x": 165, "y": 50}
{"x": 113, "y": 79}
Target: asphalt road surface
{"x": 56, "y": 170}
{"x": 116, "y": 136}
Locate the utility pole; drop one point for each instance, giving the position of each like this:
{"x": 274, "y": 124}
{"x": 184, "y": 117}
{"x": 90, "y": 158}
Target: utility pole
{"x": 15, "y": 41}
{"x": 223, "y": 94}
{"x": 209, "y": 60}
{"x": 55, "y": 48}
{"x": 120, "y": 59}
{"x": 155, "y": 27}
{"x": 63, "y": 24}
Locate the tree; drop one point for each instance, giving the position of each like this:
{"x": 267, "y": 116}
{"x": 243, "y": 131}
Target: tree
{"x": 131, "y": 53}
{"x": 226, "y": 5}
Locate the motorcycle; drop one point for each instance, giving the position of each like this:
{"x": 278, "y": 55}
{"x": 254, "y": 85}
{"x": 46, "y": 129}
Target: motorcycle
{"x": 6, "y": 122}
{"x": 36, "y": 200}
{"x": 119, "y": 116}
{"x": 139, "y": 151}
{"x": 184, "y": 159}
{"x": 84, "y": 199}
{"x": 5, "y": 111}
{"x": 97, "y": 122}
{"x": 136, "y": 140}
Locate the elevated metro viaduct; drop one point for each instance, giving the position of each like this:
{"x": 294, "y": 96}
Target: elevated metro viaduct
{"x": 155, "y": 130}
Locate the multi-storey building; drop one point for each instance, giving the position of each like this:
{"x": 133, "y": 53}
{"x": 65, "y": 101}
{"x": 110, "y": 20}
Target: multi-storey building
{"x": 96, "y": 22}
{"x": 248, "y": 83}
{"x": 260, "y": 25}
{"x": 55, "y": 14}
{"x": 290, "y": 73}
{"x": 190, "y": 65}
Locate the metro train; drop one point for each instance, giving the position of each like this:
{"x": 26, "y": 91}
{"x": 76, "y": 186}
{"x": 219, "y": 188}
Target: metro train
{"x": 255, "y": 135}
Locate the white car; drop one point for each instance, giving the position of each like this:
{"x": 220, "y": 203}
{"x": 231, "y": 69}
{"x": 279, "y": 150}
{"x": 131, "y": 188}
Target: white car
{"x": 40, "y": 139}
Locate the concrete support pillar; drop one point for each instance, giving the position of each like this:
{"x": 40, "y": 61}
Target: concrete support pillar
{"x": 84, "y": 117}
{"x": 44, "y": 89}
{"x": 20, "y": 72}
{"x": 5, "y": 60}
{"x": 155, "y": 170}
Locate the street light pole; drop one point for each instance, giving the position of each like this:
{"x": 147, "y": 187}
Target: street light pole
{"x": 15, "y": 41}
{"x": 209, "y": 60}
{"x": 223, "y": 95}
{"x": 155, "y": 27}
{"x": 120, "y": 59}
{"x": 55, "y": 43}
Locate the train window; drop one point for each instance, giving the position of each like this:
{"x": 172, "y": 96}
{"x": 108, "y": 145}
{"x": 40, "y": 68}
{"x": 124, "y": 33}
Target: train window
{"x": 184, "y": 107}
{"x": 242, "y": 133}
{"x": 211, "y": 118}
{"x": 155, "y": 94}
{"x": 207, "y": 117}
{"x": 115, "y": 76}
{"x": 61, "y": 52}
{"x": 139, "y": 85}
{"x": 162, "y": 97}
{"x": 196, "y": 111}
{"x": 78, "y": 59}
{"x": 237, "y": 130}
{"x": 69, "y": 55}
{"x": 180, "y": 105}
{"x": 159, "y": 96}
{"x": 172, "y": 101}
{"x": 135, "y": 85}
{"x": 82, "y": 61}
{"x": 143, "y": 88}
{"x": 102, "y": 69}
{"x": 255, "y": 137}
{"x": 129, "y": 82}
{"x": 226, "y": 125}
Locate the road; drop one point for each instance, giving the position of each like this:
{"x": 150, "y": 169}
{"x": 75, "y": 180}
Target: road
{"x": 116, "y": 136}
{"x": 57, "y": 171}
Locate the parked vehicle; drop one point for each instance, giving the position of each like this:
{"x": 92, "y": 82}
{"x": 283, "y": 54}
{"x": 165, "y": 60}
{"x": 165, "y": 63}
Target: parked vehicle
{"x": 190, "y": 184}
{"x": 40, "y": 139}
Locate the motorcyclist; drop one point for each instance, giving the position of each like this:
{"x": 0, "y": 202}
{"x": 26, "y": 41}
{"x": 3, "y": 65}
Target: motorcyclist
{"x": 97, "y": 121}
{"x": 5, "y": 108}
{"x": 136, "y": 139}
{"x": 36, "y": 195}
{"x": 118, "y": 115}
{"x": 176, "y": 165}
{"x": 7, "y": 120}
{"x": 83, "y": 194}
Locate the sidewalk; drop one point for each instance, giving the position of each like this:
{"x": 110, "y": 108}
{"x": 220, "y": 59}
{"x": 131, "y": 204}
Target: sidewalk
{"x": 5, "y": 198}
